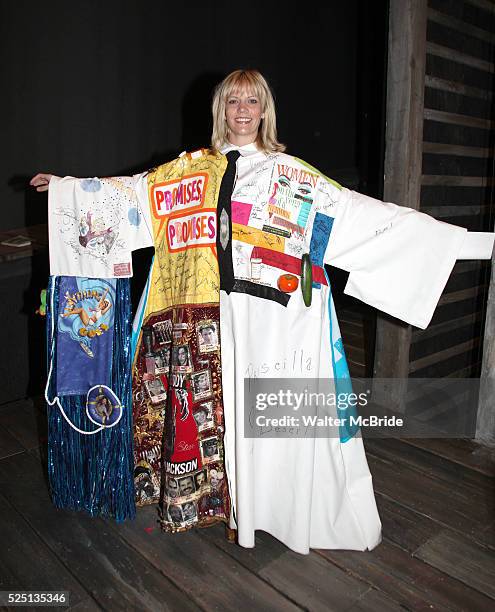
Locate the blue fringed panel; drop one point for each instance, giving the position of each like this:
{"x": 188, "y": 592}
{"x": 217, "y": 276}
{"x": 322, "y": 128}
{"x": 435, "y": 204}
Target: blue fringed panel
{"x": 94, "y": 473}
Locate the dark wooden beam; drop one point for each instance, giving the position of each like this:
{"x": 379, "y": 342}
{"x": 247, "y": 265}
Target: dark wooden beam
{"x": 460, "y": 26}
{"x": 455, "y": 181}
{"x": 457, "y": 119}
{"x": 457, "y": 88}
{"x": 485, "y": 425}
{"x": 463, "y": 294}
{"x": 486, "y": 5}
{"x": 433, "y": 358}
{"x": 446, "y": 326}
{"x": 459, "y": 57}
{"x": 403, "y": 165}
{"x": 457, "y": 211}
{"x": 450, "y": 149}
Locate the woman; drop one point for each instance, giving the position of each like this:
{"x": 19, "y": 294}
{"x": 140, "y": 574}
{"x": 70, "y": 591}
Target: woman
{"x": 242, "y": 233}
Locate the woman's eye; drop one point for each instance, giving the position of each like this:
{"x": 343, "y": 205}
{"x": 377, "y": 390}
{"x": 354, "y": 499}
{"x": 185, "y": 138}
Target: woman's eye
{"x": 253, "y": 101}
{"x": 232, "y": 101}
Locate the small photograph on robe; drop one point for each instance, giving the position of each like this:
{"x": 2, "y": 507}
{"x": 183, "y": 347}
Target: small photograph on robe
{"x": 211, "y": 505}
{"x": 181, "y": 359}
{"x": 201, "y": 384}
{"x": 179, "y": 330}
{"x": 156, "y": 391}
{"x": 145, "y": 486}
{"x": 207, "y": 333}
{"x": 102, "y": 406}
{"x": 172, "y": 488}
{"x": 201, "y": 480}
{"x": 182, "y": 327}
{"x": 163, "y": 332}
{"x": 210, "y": 449}
{"x": 162, "y": 359}
{"x": 175, "y": 514}
{"x": 186, "y": 486}
{"x": 203, "y": 415}
{"x": 203, "y": 505}
{"x": 216, "y": 478}
{"x": 189, "y": 512}
{"x": 149, "y": 365}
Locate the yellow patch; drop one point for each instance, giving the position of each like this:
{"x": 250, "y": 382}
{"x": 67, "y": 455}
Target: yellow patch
{"x": 256, "y": 237}
{"x": 182, "y": 190}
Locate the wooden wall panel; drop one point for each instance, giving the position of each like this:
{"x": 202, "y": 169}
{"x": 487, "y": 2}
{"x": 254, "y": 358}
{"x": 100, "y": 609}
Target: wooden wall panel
{"x": 457, "y": 175}
{"x": 456, "y": 102}
{"x": 466, "y": 76}
{"x": 402, "y": 184}
{"x": 475, "y": 12}
{"x": 439, "y": 163}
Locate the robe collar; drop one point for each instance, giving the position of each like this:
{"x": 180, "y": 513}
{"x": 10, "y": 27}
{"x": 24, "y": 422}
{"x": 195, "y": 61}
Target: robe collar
{"x": 245, "y": 150}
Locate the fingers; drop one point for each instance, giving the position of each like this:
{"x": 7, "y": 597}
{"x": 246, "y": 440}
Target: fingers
{"x": 41, "y": 181}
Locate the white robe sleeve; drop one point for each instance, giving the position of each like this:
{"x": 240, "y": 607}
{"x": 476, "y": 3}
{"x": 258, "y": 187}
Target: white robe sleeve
{"x": 399, "y": 259}
{"x": 95, "y": 224}
{"x": 478, "y": 245}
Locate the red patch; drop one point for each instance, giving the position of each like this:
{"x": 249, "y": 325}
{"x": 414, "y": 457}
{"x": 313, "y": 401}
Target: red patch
{"x": 122, "y": 269}
{"x": 286, "y": 262}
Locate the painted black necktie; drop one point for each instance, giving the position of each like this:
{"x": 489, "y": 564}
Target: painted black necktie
{"x": 224, "y": 224}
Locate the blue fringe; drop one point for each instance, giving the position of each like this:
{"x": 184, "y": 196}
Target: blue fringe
{"x": 94, "y": 473}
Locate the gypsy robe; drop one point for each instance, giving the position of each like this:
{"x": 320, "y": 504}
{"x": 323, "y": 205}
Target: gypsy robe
{"x": 195, "y": 344}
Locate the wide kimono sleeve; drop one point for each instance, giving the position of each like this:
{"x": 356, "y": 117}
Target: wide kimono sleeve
{"x": 94, "y": 225}
{"x": 399, "y": 259}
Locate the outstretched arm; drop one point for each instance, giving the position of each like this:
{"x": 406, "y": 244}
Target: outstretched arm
{"x": 41, "y": 181}
{"x": 95, "y": 223}
{"x": 399, "y": 259}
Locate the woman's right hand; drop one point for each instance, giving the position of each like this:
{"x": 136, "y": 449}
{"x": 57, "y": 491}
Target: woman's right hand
{"x": 41, "y": 181}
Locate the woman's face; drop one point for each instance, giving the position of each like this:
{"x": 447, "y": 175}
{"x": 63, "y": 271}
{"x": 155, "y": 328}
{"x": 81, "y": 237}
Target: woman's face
{"x": 182, "y": 356}
{"x": 243, "y": 114}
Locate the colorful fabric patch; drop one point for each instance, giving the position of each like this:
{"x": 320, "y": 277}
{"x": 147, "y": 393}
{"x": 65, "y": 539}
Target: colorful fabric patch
{"x": 288, "y": 263}
{"x": 322, "y": 228}
{"x": 241, "y": 212}
{"x": 178, "y": 416}
{"x": 252, "y": 235}
{"x": 84, "y": 334}
{"x": 103, "y": 407}
{"x": 93, "y": 472}
{"x": 94, "y": 226}
{"x": 187, "y": 248}
{"x": 290, "y": 198}
{"x": 339, "y": 345}
{"x": 302, "y": 218}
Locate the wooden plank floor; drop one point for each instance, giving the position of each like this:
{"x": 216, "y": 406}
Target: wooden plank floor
{"x": 436, "y": 501}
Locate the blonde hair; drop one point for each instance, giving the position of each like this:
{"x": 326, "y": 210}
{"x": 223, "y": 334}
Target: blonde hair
{"x": 254, "y": 83}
